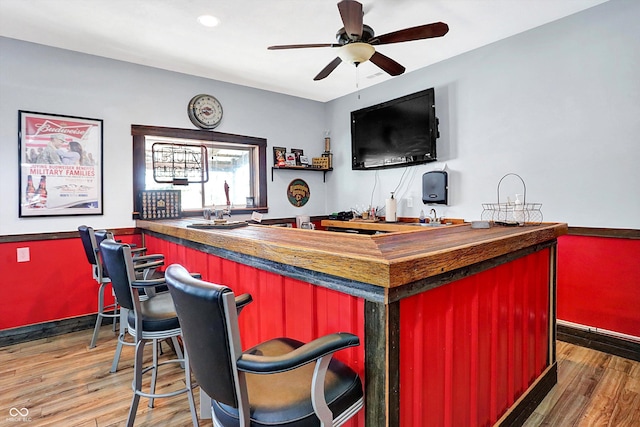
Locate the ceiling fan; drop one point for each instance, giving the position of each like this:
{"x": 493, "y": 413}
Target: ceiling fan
{"x": 357, "y": 40}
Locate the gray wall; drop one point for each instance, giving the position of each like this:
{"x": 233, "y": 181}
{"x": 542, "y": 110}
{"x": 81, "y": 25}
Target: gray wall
{"x": 559, "y": 105}
{"x": 48, "y": 80}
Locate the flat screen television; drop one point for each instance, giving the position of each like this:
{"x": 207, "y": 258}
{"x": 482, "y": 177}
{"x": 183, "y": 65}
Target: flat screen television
{"x": 396, "y": 133}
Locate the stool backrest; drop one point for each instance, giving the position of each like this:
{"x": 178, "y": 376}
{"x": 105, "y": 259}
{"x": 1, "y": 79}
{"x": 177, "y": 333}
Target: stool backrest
{"x": 88, "y": 243}
{"x": 117, "y": 258}
{"x": 99, "y": 237}
{"x": 209, "y": 323}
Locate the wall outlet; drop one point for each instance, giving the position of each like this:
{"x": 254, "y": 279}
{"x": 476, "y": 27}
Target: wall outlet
{"x": 23, "y": 254}
{"x": 409, "y": 202}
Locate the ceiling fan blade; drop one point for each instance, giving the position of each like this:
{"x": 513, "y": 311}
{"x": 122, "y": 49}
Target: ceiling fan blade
{"x": 328, "y": 69}
{"x": 351, "y": 14}
{"x": 437, "y": 29}
{"x": 302, "y": 46}
{"x": 387, "y": 64}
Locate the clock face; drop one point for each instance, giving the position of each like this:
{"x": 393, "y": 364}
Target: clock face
{"x": 205, "y": 111}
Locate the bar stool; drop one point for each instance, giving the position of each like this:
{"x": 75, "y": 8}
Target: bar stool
{"x": 91, "y": 243}
{"x": 145, "y": 267}
{"x": 280, "y": 382}
{"x": 148, "y": 320}
{"x": 110, "y": 311}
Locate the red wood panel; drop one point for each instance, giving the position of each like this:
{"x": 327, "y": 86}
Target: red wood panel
{"x": 469, "y": 349}
{"x": 485, "y": 400}
{"x": 56, "y": 284}
{"x": 599, "y": 282}
{"x": 282, "y": 306}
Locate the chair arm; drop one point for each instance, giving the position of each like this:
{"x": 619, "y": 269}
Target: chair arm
{"x": 141, "y": 284}
{"x": 147, "y": 265}
{"x": 242, "y": 301}
{"x": 153, "y": 257}
{"x": 302, "y": 355}
{"x": 145, "y": 283}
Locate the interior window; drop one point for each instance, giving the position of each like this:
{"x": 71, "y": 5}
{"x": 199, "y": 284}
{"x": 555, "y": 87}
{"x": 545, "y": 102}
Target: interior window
{"x": 201, "y": 164}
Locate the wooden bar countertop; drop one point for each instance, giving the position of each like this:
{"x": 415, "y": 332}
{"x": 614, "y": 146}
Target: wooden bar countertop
{"x": 385, "y": 260}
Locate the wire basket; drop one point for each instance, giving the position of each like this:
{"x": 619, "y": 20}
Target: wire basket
{"x": 512, "y": 213}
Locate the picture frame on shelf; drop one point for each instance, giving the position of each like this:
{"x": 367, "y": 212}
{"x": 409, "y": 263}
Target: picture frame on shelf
{"x": 290, "y": 159}
{"x": 298, "y": 152}
{"x": 304, "y": 161}
{"x": 250, "y": 202}
{"x": 279, "y": 154}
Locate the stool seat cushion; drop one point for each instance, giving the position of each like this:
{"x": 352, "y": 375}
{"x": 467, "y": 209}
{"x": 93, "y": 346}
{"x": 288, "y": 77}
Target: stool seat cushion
{"x": 158, "y": 314}
{"x": 285, "y": 398}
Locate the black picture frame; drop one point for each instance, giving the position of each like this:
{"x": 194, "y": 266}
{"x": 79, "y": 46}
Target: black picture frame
{"x": 62, "y": 155}
{"x": 298, "y": 152}
{"x": 279, "y": 153}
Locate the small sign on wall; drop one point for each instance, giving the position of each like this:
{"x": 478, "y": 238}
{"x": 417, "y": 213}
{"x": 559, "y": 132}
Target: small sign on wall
{"x": 160, "y": 204}
{"x": 298, "y": 192}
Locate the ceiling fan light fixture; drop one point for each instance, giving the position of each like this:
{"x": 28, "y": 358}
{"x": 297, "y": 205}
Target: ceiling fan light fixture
{"x": 356, "y": 53}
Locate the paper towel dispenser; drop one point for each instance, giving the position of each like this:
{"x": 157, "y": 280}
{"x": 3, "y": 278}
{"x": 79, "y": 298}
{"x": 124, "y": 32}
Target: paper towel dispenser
{"x": 435, "y": 188}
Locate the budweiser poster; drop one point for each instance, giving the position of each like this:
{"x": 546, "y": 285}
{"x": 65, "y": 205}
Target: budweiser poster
{"x": 60, "y": 165}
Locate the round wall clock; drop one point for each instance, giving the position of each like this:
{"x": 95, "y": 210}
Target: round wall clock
{"x": 205, "y": 111}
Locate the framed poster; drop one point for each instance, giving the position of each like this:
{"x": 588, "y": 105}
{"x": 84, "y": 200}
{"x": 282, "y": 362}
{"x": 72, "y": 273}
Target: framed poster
{"x": 60, "y": 165}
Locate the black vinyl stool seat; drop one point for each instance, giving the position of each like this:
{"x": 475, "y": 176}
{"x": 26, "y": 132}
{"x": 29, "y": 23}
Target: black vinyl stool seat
{"x": 148, "y": 320}
{"x": 281, "y": 382}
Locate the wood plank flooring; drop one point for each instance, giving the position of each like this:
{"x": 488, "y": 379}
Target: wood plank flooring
{"x": 61, "y": 382}
{"x": 594, "y": 389}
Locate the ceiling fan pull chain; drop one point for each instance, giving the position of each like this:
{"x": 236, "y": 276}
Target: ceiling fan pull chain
{"x": 358, "y": 81}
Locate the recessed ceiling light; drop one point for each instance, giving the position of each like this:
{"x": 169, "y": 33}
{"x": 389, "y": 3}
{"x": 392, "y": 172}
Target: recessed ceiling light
{"x": 208, "y": 20}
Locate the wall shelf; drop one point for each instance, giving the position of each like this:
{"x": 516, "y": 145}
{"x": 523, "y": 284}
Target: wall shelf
{"x": 302, "y": 168}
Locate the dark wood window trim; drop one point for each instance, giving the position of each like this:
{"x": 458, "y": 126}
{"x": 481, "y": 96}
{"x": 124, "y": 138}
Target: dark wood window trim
{"x": 139, "y": 132}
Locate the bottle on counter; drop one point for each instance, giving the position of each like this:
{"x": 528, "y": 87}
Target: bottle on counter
{"x": 518, "y": 210}
{"x": 391, "y": 209}
{"x": 422, "y": 219}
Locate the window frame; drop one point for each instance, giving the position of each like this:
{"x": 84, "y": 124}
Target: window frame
{"x": 140, "y": 132}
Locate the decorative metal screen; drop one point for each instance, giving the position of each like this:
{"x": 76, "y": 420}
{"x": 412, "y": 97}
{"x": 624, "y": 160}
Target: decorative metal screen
{"x": 179, "y": 164}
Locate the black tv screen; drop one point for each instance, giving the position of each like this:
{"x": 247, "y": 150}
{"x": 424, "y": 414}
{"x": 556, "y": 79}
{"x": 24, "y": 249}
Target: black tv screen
{"x": 400, "y": 132}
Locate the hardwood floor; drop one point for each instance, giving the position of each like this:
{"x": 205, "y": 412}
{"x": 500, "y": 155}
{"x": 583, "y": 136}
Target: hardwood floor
{"x": 594, "y": 389}
{"x": 61, "y": 382}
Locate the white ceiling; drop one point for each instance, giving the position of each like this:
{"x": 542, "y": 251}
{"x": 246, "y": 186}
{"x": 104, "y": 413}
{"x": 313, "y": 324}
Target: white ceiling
{"x": 165, "y": 34}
